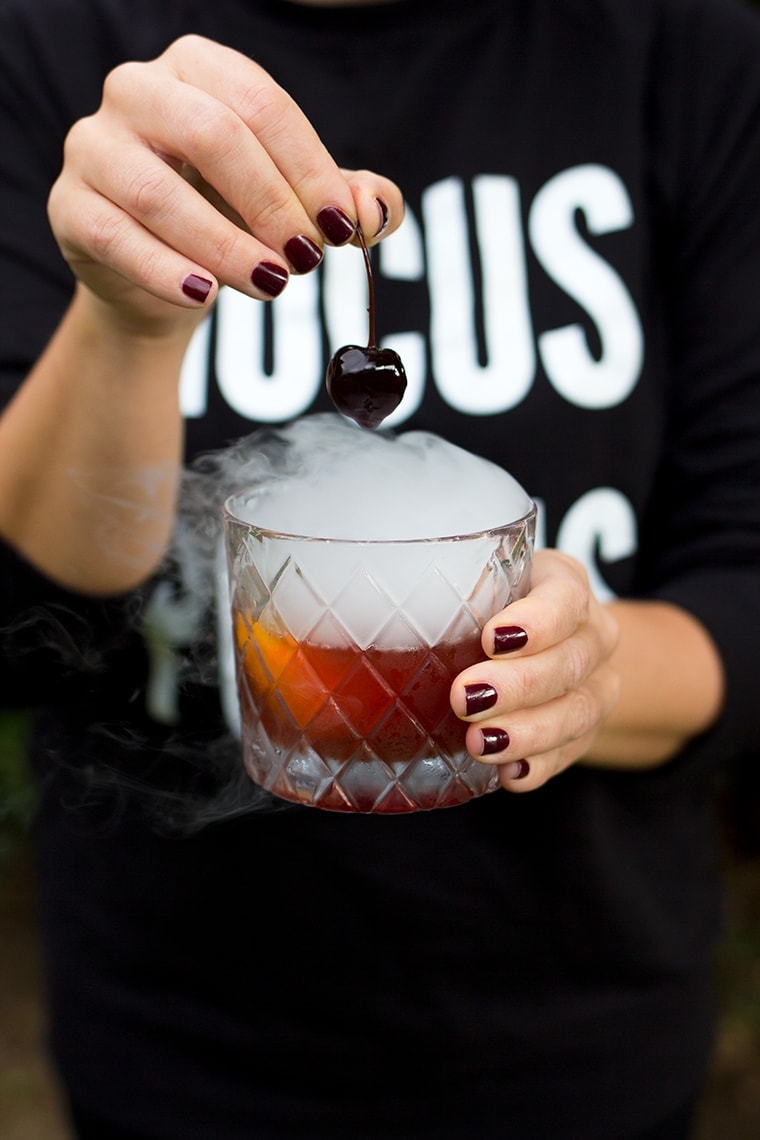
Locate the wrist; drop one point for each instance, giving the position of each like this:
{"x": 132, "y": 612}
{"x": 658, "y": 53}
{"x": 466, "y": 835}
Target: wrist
{"x": 158, "y": 328}
{"x": 671, "y": 685}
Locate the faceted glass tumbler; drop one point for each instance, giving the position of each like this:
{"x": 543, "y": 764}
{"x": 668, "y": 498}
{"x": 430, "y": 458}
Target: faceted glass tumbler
{"x": 345, "y": 652}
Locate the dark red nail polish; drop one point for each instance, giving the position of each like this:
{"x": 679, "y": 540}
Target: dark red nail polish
{"x": 517, "y": 770}
{"x": 336, "y": 225}
{"x": 195, "y": 287}
{"x": 384, "y": 216}
{"x": 494, "y": 740}
{"x": 270, "y": 278}
{"x": 302, "y": 253}
{"x": 508, "y": 638}
{"x": 478, "y": 698}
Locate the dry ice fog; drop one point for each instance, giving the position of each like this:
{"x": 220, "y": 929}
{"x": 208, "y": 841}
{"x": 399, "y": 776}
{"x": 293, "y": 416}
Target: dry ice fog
{"x": 382, "y": 502}
{"x": 331, "y": 479}
{"x": 321, "y": 476}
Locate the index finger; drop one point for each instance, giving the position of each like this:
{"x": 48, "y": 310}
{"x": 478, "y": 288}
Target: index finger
{"x": 281, "y": 128}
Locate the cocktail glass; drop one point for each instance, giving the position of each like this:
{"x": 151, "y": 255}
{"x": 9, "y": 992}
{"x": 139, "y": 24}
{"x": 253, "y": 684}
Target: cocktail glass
{"x": 345, "y": 652}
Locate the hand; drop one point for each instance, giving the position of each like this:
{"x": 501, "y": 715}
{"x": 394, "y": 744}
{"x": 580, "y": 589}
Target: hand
{"x": 536, "y": 706}
{"x": 198, "y": 170}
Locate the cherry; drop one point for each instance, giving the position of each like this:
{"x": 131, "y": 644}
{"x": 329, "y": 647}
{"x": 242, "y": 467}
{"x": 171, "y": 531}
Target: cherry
{"x": 366, "y": 384}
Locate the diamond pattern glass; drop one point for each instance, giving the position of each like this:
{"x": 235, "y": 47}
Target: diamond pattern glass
{"x": 345, "y": 653}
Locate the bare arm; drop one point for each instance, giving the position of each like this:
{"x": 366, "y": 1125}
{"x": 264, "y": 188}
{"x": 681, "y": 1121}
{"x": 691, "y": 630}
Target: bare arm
{"x": 671, "y": 686}
{"x": 196, "y": 171}
{"x": 90, "y": 451}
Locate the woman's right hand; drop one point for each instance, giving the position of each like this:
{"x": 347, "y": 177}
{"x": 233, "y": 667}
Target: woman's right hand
{"x": 198, "y": 171}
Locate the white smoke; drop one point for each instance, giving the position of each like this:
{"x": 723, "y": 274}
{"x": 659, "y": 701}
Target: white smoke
{"x": 387, "y": 536}
{"x": 342, "y": 482}
{"x": 324, "y": 477}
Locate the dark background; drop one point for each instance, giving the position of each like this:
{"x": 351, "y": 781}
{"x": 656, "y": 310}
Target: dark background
{"x": 29, "y": 1101}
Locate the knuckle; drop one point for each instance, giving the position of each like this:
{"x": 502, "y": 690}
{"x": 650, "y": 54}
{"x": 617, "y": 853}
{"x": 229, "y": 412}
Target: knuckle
{"x": 586, "y": 710}
{"x": 102, "y": 237}
{"x": 263, "y": 106}
{"x": 264, "y": 216}
{"x": 56, "y": 203}
{"x": 591, "y": 704}
{"x": 225, "y": 245}
{"x": 579, "y": 662}
{"x": 576, "y": 583}
{"x": 580, "y": 593}
{"x": 148, "y": 195}
{"x": 79, "y": 137}
{"x": 224, "y": 250}
{"x": 212, "y": 130}
{"x": 121, "y": 81}
{"x": 65, "y": 223}
{"x": 214, "y": 140}
{"x": 309, "y": 174}
{"x": 187, "y": 44}
{"x": 147, "y": 265}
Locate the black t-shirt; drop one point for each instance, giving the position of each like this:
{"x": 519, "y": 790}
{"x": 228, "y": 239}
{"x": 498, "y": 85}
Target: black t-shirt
{"x": 574, "y": 295}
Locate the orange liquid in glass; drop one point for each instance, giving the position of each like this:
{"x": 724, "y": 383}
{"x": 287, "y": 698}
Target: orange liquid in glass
{"x": 396, "y": 697}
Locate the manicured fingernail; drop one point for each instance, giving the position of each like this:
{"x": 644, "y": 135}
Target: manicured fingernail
{"x": 302, "y": 253}
{"x": 336, "y": 225}
{"x": 384, "y": 216}
{"x": 478, "y": 698}
{"x": 494, "y": 740}
{"x": 270, "y": 278}
{"x": 516, "y": 770}
{"x": 195, "y": 287}
{"x": 508, "y": 638}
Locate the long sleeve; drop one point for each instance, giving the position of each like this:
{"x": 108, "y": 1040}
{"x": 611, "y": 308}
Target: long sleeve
{"x": 701, "y": 540}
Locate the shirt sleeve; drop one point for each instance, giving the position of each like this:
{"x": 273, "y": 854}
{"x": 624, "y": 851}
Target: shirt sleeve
{"x": 701, "y": 538}
{"x": 55, "y": 643}
{"x": 54, "y": 58}
{"x": 35, "y": 283}
{"x": 51, "y": 640}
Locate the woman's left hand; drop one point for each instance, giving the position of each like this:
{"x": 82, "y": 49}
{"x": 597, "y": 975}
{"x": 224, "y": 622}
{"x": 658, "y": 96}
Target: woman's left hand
{"x": 535, "y": 706}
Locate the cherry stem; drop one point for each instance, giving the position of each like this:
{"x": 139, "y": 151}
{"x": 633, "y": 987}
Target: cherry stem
{"x": 370, "y": 288}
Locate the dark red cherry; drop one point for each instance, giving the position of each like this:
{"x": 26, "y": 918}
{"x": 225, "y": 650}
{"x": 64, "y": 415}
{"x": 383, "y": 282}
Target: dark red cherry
{"x": 366, "y": 384}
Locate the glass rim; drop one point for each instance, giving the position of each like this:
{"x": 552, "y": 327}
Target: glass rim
{"x": 229, "y": 516}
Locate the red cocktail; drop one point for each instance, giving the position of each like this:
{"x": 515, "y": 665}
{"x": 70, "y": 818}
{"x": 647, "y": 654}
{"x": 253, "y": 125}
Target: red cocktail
{"x": 345, "y": 655}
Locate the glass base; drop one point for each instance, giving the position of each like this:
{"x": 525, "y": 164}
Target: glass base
{"x": 365, "y": 783}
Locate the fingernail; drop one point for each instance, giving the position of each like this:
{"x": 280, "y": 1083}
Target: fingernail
{"x": 336, "y": 225}
{"x": 384, "y": 216}
{"x": 494, "y": 740}
{"x": 195, "y": 287}
{"x": 516, "y": 770}
{"x": 478, "y": 698}
{"x": 270, "y": 278}
{"x": 302, "y": 253}
{"x": 508, "y": 638}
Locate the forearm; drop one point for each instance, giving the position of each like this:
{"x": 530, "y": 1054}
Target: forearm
{"x": 91, "y": 449}
{"x": 671, "y": 686}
